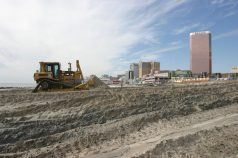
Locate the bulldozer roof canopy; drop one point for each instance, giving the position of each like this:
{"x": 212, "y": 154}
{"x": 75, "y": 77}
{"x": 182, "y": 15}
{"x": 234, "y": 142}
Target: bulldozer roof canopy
{"x": 44, "y": 62}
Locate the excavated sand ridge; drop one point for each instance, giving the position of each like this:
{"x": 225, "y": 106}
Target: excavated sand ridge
{"x": 89, "y": 123}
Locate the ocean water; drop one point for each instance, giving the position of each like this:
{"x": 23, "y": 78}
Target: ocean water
{"x": 17, "y": 84}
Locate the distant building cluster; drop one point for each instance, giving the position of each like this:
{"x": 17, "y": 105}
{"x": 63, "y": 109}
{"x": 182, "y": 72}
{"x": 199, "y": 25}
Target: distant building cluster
{"x": 145, "y": 72}
{"x": 140, "y": 70}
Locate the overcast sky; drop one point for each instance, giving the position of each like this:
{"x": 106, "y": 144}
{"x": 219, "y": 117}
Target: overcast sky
{"x": 107, "y": 35}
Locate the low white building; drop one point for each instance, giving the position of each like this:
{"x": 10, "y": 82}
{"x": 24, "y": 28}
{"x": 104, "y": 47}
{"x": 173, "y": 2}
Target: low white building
{"x": 234, "y": 69}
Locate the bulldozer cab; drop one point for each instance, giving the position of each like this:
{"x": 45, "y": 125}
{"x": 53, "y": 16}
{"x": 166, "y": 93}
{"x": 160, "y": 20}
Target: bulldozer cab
{"x": 53, "y": 67}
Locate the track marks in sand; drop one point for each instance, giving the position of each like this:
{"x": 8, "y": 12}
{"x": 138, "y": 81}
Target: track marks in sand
{"x": 144, "y": 148}
{"x": 45, "y": 124}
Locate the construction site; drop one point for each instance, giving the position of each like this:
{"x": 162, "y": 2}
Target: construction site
{"x": 118, "y": 79}
{"x": 170, "y": 120}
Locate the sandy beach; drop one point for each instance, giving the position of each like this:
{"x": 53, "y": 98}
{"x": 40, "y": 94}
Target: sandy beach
{"x": 165, "y": 121}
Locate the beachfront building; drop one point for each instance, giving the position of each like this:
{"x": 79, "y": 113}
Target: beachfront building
{"x": 200, "y": 52}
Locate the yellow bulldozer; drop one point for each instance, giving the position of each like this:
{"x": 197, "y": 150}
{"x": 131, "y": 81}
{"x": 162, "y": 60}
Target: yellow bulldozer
{"x": 51, "y": 77}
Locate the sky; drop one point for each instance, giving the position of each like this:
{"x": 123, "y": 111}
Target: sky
{"x": 107, "y": 35}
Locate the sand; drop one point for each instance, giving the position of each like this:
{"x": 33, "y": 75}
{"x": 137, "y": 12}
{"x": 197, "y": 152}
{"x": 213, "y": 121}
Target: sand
{"x": 164, "y": 121}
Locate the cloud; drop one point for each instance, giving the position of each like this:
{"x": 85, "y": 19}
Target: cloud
{"x": 217, "y": 1}
{"x": 175, "y": 43}
{"x": 231, "y": 13}
{"x": 186, "y": 28}
{"x": 229, "y": 7}
{"x": 95, "y": 32}
{"x": 226, "y": 34}
{"x": 154, "y": 54}
{"x": 2, "y": 66}
{"x": 223, "y": 3}
{"x": 149, "y": 57}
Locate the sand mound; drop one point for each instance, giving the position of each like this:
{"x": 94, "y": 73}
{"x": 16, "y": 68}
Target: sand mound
{"x": 97, "y": 82}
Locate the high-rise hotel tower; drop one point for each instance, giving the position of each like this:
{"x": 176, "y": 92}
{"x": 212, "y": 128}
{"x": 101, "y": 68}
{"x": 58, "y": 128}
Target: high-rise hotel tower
{"x": 201, "y": 52}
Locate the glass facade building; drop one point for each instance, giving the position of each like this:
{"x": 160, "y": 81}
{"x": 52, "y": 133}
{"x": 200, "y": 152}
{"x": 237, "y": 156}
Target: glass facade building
{"x": 200, "y": 52}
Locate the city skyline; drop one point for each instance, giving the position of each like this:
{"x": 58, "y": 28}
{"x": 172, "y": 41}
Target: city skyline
{"x": 106, "y": 36}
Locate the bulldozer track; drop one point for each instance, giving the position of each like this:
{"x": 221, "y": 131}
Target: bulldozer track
{"x": 52, "y": 83}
